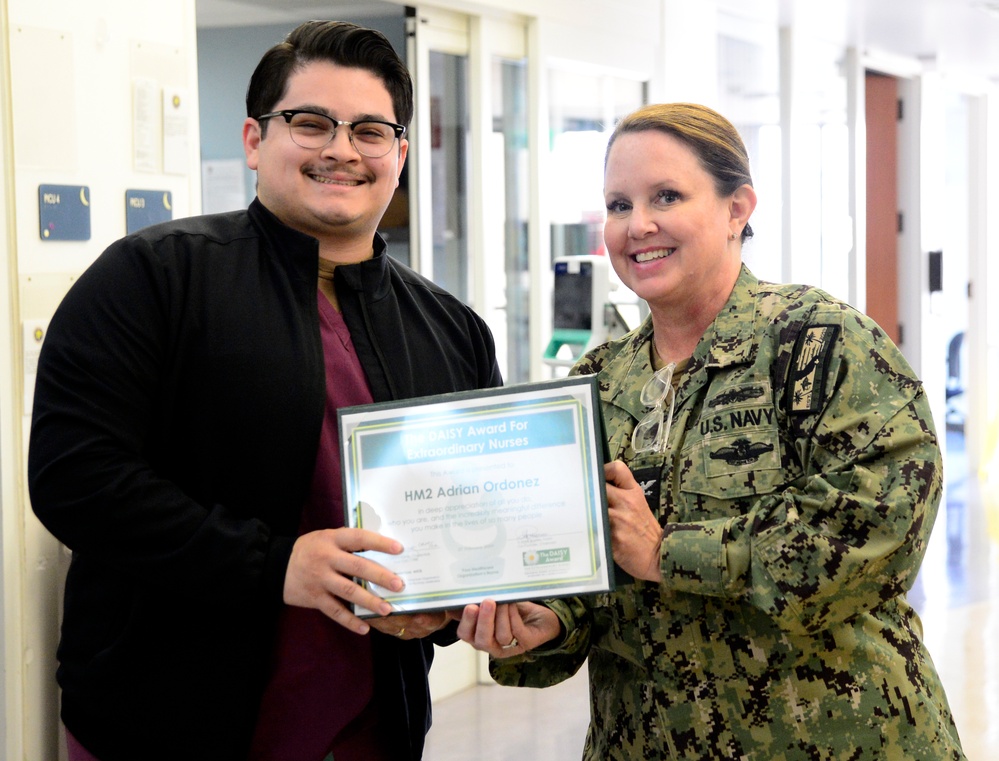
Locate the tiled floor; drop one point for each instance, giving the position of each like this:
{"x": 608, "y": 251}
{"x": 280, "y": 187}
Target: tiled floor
{"x": 956, "y": 594}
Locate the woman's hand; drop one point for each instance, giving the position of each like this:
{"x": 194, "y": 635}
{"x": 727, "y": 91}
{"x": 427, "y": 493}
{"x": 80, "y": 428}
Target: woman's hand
{"x": 412, "y": 626}
{"x": 635, "y": 533}
{"x": 508, "y": 629}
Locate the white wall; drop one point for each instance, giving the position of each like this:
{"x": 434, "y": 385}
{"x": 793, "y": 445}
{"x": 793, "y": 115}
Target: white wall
{"x": 71, "y": 69}
{"x": 9, "y": 560}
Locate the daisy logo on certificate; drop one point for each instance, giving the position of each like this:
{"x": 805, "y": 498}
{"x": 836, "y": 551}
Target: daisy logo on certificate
{"x": 545, "y": 557}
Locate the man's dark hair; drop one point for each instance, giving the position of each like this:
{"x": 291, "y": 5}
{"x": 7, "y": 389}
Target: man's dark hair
{"x": 340, "y": 43}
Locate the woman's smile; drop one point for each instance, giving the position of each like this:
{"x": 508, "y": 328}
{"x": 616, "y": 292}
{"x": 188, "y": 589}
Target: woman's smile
{"x": 652, "y": 254}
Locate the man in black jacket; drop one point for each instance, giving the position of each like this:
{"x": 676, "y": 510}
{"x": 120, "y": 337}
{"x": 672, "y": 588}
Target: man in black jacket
{"x": 184, "y": 442}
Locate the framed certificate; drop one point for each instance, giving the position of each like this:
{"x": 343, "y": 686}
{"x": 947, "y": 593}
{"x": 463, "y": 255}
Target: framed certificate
{"x": 496, "y": 493}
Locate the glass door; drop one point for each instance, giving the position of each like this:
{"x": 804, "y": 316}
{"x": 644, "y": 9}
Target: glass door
{"x": 506, "y": 264}
{"x": 438, "y": 55}
{"x": 471, "y": 170}
{"x": 469, "y": 198}
{"x": 449, "y": 138}
{"x": 584, "y": 106}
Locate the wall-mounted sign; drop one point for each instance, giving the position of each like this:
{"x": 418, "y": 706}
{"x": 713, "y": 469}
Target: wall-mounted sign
{"x": 64, "y": 212}
{"x": 176, "y": 126}
{"x": 147, "y": 207}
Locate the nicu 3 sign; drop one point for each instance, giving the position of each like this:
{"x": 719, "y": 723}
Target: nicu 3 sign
{"x": 147, "y": 207}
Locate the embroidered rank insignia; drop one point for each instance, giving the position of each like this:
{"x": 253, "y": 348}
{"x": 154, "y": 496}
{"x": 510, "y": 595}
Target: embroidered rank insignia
{"x": 737, "y": 395}
{"x": 812, "y": 354}
{"x": 742, "y": 452}
{"x": 650, "y": 479}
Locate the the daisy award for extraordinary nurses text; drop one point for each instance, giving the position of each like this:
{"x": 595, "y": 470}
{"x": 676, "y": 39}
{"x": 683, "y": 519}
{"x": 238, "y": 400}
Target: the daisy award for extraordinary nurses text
{"x": 493, "y": 494}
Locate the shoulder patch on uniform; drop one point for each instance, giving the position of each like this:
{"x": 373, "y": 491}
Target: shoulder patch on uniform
{"x": 809, "y": 362}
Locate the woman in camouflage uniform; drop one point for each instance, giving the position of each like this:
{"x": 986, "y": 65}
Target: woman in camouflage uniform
{"x": 774, "y": 528}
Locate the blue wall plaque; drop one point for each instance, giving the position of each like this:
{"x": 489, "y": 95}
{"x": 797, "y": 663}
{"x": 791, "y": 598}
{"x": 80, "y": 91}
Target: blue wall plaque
{"x": 64, "y": 212}
{"x": 147, "y": 207}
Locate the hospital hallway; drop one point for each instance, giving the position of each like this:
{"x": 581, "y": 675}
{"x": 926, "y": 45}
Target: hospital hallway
{"x": 956, "y": 595}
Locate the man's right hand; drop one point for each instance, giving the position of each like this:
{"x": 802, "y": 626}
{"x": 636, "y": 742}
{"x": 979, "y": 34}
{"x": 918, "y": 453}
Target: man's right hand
{"x": 321, "y": 570}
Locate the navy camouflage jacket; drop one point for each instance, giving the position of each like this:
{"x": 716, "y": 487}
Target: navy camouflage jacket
{"x": 796, "y": 496}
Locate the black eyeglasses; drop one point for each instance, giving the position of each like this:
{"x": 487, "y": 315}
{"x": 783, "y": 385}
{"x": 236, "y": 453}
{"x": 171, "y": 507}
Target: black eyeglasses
{"x": 370, "y": 137}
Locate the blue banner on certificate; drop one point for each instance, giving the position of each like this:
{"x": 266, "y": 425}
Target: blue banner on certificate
{"x": 496, "y": 493}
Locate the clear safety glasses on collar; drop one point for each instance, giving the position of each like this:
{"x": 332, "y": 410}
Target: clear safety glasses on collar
{"x": 652, "y": 432}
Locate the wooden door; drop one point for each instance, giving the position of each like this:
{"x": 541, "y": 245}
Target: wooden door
{"x": 881, "y": 99}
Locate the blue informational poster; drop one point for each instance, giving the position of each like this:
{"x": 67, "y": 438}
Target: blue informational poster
{"x": 147, "y": 207}
{"x": 64, "y": 212}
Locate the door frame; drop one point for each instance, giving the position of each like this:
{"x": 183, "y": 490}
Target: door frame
{"x": 920, "y": 91}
